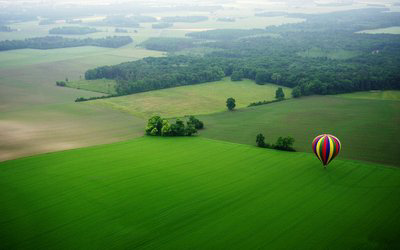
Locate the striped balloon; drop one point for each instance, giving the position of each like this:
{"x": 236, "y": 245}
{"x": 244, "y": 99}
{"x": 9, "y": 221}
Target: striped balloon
{"x": 326, "y": 148}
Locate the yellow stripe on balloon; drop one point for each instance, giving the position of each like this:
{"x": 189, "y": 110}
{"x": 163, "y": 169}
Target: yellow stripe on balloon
{"x": 331, "y": 148}
{"x": 318, "y": 147}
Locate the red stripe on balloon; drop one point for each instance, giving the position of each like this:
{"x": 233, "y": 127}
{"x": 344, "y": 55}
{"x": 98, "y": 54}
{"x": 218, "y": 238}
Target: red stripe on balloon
{"x": 324, "y": 147}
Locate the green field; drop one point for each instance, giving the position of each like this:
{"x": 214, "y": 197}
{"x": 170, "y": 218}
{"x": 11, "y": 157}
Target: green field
{"x": 106, "y": 86}
{"x": 367, "y": 128}
{"x": 339, "y": 54}
{"x": 192, "y": 193}
{"x": 194, "y": 99}
{"x": 389, "y": 30}
{"x": 392, "y": 95}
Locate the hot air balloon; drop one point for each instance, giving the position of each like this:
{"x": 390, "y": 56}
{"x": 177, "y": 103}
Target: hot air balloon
{"x": 326, "y": 147}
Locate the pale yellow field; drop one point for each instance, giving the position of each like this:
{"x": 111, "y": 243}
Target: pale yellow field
{"x": 194, "y": 99}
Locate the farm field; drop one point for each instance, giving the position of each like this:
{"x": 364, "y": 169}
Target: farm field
{"x": 36, "y": 116}
{"x": 367, "y": 127}
{"x": 27, "y": 86}
{"x": 195, "y": 193}
{"x": 47, "y": 128}
{"x": 82, "y": 55}
{"x": 193, "y": 99}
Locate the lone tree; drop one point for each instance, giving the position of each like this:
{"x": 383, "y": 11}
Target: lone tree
{"x": 279, "y": 94}
{"x": 260, "y": 140}
{"x": 230, "y": 103}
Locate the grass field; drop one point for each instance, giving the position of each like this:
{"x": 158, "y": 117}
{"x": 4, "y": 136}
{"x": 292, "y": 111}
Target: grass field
{"x": 194, "y": 99}
{"x": 192, "y": 193}
{"x": 367, "y": 128}
{"x": 37, "y": 116}
{"x": 375, "y": 95}
{"x": 335, "y": 54}
{"x": 99, "y": 85}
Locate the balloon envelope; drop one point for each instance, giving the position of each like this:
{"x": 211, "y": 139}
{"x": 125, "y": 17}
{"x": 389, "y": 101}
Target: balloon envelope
{"x": 326, "y": 147}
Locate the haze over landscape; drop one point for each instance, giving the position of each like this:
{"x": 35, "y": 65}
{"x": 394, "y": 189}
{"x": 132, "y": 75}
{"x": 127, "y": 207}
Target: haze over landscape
{"x": 190, "y": 125}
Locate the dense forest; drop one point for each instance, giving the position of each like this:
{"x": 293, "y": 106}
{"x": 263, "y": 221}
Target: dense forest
{"x": 350, "y": 21}
{"x": 53, "y": 42}
{"x": 72, "y": 30}
{"x": 371, "y": 61}
{"x": 157, "y": 73}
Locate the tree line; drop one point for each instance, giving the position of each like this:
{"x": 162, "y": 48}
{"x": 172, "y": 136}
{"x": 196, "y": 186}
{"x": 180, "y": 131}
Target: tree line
{"x": 72, "y": 30}
{"x": 53, "y": 42}
{"x": 282, "y": 143}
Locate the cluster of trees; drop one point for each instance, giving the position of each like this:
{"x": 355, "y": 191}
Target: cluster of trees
{"x": 283, "y": 143}
{"x": 72, "y": 30}
{"x": 53, "y": 42}
{"x": 61, "y": 83}
{"x": 158, "y": 126}
{"x": 163, "y": 25}
{"x": 184, "y": 19}
{"x": 158, "y": 73}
